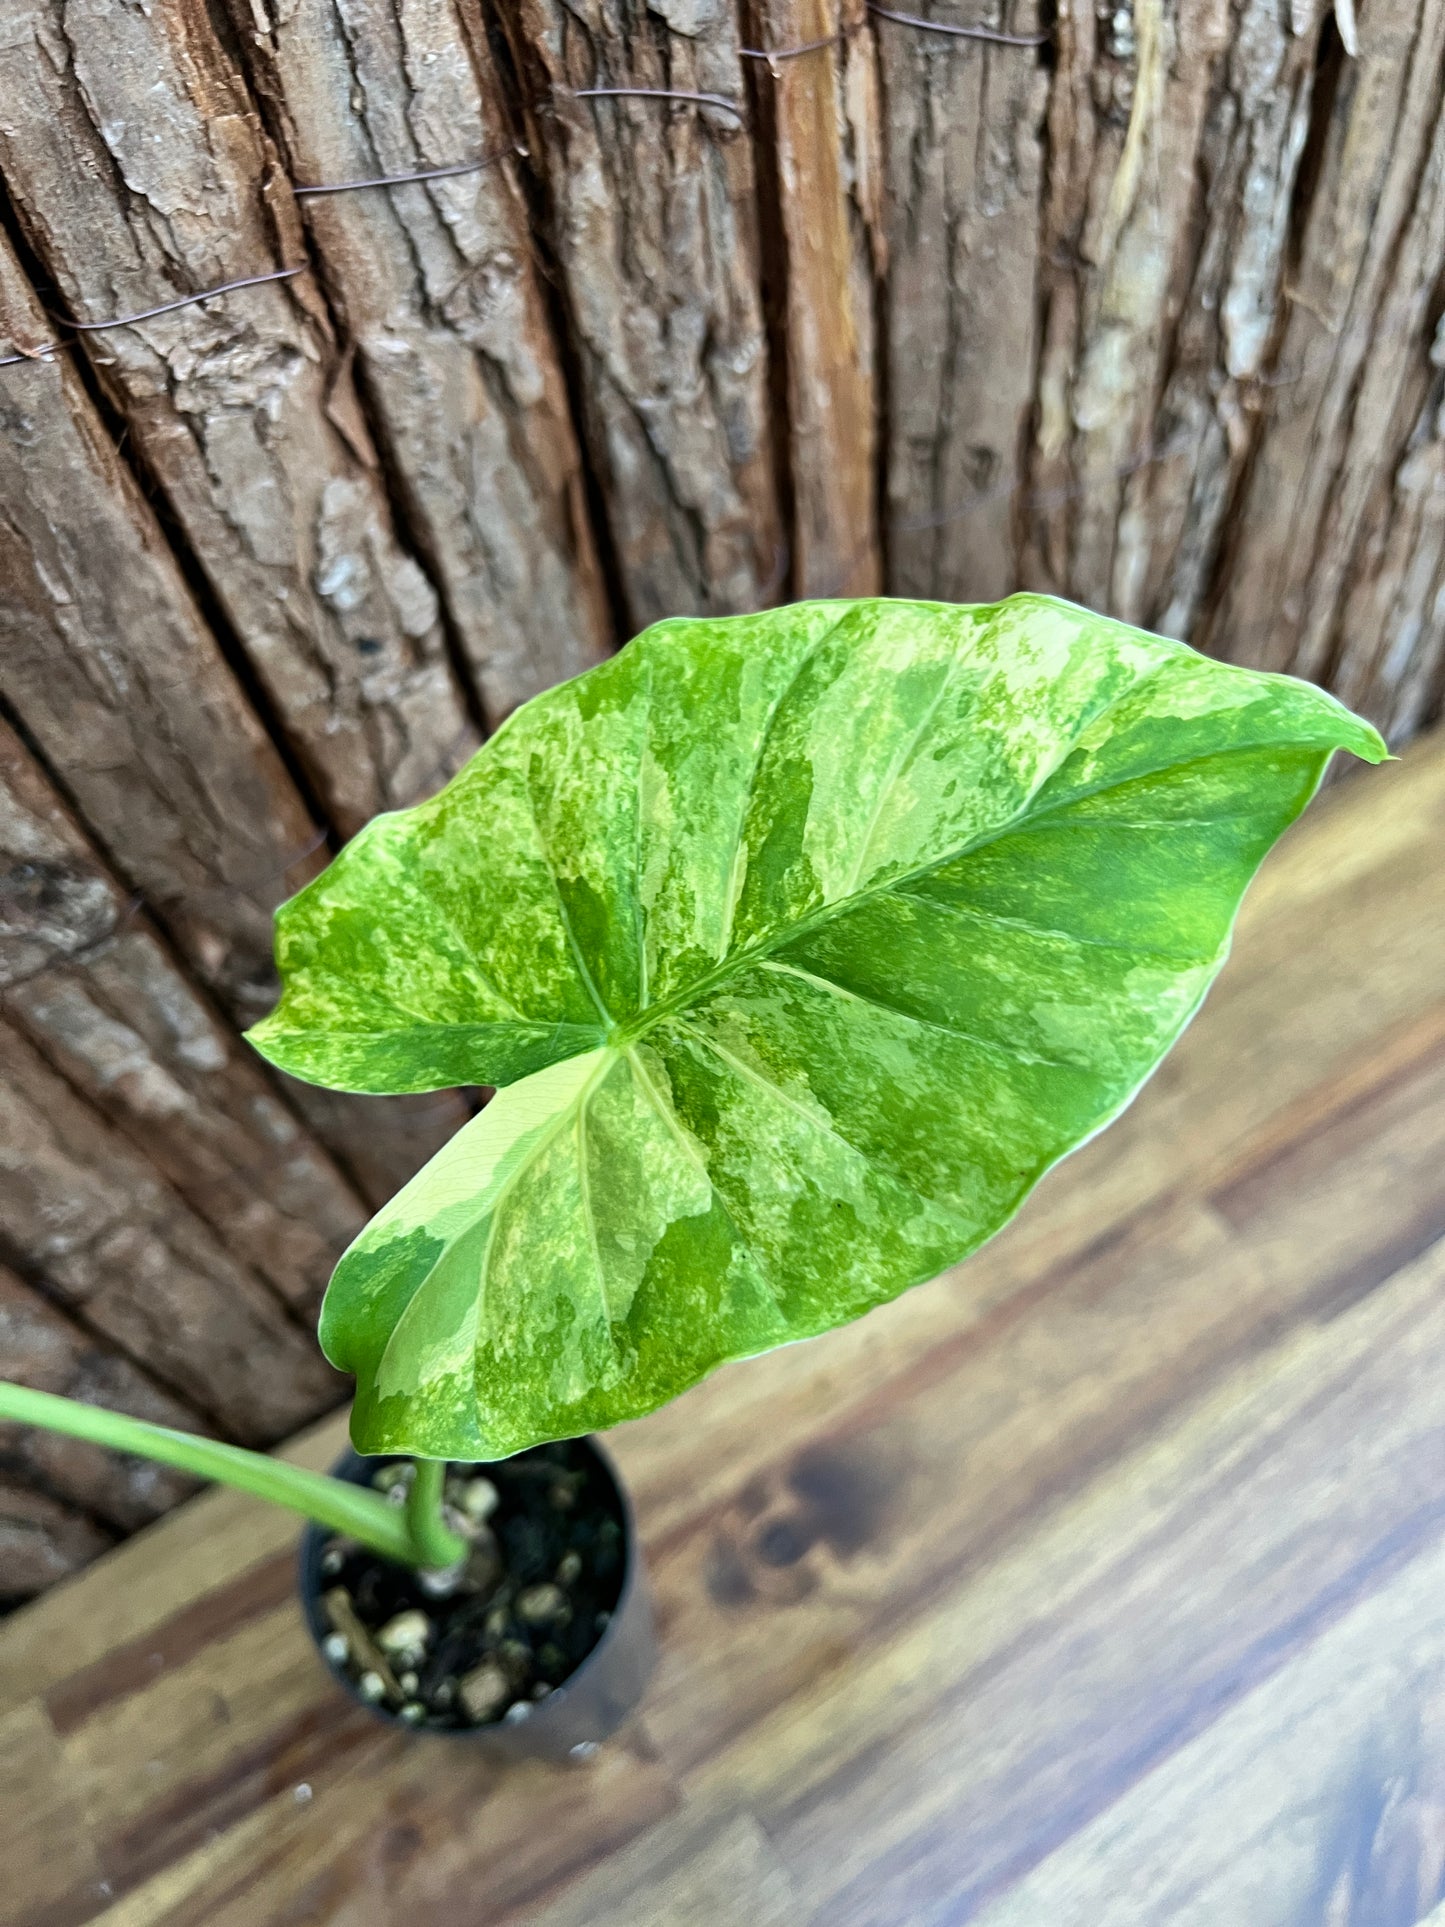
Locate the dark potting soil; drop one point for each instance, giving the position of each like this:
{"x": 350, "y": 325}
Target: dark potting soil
{"x": 539, "y": 1588}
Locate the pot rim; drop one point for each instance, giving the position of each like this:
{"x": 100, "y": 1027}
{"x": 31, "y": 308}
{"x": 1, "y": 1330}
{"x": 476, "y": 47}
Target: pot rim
{"x": 347, "y": 1466}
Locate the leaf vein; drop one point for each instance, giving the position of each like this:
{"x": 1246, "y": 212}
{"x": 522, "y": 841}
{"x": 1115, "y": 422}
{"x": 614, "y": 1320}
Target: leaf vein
{"x": 584, "y": 1191}
{"x": 586, "y": 975}
{"x": 828, "y": 1129}
{"x": 902, "y": 884}
{"x": 765, "y": 736}
{"x": 673, "y": 1123}
{"x": 874, "y": 1002}
{"x": 1046, "y": 930}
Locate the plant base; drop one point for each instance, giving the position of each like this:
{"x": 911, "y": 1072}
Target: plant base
{"x": 539, "y": 1644}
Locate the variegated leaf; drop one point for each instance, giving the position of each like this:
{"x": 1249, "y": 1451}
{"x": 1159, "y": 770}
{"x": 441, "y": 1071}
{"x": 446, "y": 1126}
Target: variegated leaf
{"x": 803, "y": 944}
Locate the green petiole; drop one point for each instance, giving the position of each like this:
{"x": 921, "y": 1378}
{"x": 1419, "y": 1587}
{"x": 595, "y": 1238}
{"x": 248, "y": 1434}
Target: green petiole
{"x": 435, "y": 1543}
{"x": 414, "y": 1535}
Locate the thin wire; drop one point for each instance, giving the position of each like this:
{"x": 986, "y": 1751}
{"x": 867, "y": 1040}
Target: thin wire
{"x": 659, "y": 93}
{"x": 961, "y": 33}
{"x": 44, "y": 352}
{"x": 186, "y": 300}
{"x": 421, "y": 174}
{"x": 791, "y": 53}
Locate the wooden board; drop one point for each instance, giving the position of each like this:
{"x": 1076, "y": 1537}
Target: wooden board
{"x": 85, "y": 975}
{"x": 1097, "y": 1584}
{"x": 821, "y": 165}
{"x": 242, "y": 410}
{"x": 652, "y": 216}
{"x": 438, "y": 292}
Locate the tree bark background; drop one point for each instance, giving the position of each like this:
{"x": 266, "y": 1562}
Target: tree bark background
{"x": 731, "y": 302}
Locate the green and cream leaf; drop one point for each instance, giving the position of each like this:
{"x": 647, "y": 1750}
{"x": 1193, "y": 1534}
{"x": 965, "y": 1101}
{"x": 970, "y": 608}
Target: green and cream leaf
{"x": 803, "y": 944}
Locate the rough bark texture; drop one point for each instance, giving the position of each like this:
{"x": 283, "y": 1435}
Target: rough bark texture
{"x": 1127, "y": 106}
{"x": 1392, "y": 629}
{"x": 140, "y": 172}
{"x": 111, "y": 668}
{"x": 438, "y": 293}
{"x": 380, "y": 1142}
{"x": 653, "y": 218}
{"x": 86, "y": 978}
{"x": 49, "y": 1352}
{"x": 120, "y": 1248}
{"x": 42, "y": 1541}
{"x": 104, "y": 656}
{"x": 1150, "y": 316}
{"x": 965, "y": 155}
{"x": 1161, "y": 325}
{"x": 1342, "y": 452}
{"x": 1220, "y": 383}
{"x": 818, "y": 118}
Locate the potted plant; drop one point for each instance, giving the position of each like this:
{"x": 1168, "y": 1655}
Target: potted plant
{"x": 798, "y": 947}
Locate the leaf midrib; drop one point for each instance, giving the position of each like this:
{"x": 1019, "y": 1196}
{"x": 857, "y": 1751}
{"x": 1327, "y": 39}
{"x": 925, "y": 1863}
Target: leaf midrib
{"x": 633, "y": 1030}
{"x": 567, "y": 1114}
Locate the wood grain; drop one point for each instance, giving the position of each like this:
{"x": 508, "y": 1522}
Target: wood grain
{"x": 1221, "y": 384}
{"x": 965, "y": 157}
{"x": 44, "y": 1349}
{"x": 1097, "y": 1584}
{"x": 42, "y": 1541}
{"x": 1161, "y": 327}
{"x": 440, "y": 299}
{"x": 821, "y": 162}
{"x": 1126, "y": 113}
{"x": 124, "y": 1252}
{"x": 653, "y": 220}
{"x": 1353, "y": 372}
{"x": 1352, "y": 368}
{"x": 243, "y": 409}
{"x": 84, "y": 974}
{"x": 122, "y": 686}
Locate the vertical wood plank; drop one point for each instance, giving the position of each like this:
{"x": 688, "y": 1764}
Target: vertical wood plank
{"x": 1391, "y": 661}
{"x": 819, "y": 126}
{"x": 965, "y": 155}
{"x": 136, "y": 164}
{"x": 653, "y": 219}
{"x": 113, "y": 672}
{"x": 439, "y": 295}
{"x": 1126, "y": 111}
{"x": 1219, "y": 386}
{"x": 1352, "y": 365}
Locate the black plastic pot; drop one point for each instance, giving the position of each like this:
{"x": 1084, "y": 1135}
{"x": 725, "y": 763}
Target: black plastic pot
{"x": 583, "y": 1709}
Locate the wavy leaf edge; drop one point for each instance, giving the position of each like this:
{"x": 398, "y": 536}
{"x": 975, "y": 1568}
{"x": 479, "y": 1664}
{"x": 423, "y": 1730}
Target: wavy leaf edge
{"x": 505, "y": 1295}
